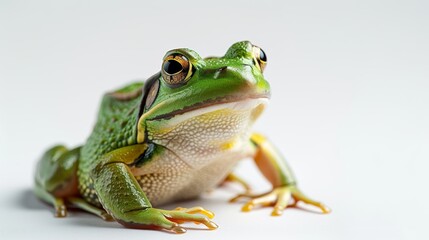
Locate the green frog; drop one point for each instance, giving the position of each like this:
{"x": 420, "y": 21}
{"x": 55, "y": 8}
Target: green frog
{"x": 172, "y": 137}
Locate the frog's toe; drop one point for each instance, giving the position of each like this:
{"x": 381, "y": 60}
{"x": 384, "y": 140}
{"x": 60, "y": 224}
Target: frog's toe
{"x": 60, "y": 208}
{"x": 283, "y": 200}
{"x": 107, "y": 217}
{"x": 299, "y": 196}
{"x": 196, "y": 210}
{"x": 238, "y": 180}
{"x": 260, "y": 200}
{"x": 280, "y": 199}
{"x": 196, "y": 215}
{"x": 60, "y": 212}
{"x": 153, "y": 218}
{"x": 243, "y": 195}
{"x": 150, "y": 218}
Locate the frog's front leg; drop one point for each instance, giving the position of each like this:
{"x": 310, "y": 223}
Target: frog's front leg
{"x": 122, "y": 197}
{"x": 274, "y": 168}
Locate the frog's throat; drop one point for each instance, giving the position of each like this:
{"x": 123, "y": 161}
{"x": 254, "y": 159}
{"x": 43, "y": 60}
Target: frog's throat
{"x": 257, "y": 102}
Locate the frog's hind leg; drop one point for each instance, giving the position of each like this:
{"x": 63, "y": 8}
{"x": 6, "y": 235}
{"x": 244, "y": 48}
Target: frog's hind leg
{"x": 56, "y": 178}
{"x": 58, "y": 203}
{"x": 56, "y": 182}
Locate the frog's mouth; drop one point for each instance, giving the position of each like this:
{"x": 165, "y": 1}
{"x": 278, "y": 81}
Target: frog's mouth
{"x": 257, "y": 102}
{"x": 252, "y": 105}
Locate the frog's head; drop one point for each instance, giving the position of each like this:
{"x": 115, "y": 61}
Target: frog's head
{"x": 189, "y": 86}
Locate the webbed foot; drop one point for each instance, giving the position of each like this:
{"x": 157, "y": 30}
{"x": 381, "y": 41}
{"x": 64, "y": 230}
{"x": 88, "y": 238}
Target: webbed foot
{"x": 279, "y": 198}
{"x": 153, "y": 218}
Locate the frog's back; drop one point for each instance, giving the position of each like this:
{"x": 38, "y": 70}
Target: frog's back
{"x": 115, "y": 128}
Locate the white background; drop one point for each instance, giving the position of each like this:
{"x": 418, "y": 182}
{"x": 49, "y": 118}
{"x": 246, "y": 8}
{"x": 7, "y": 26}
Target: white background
{"x": 349, "y": 106}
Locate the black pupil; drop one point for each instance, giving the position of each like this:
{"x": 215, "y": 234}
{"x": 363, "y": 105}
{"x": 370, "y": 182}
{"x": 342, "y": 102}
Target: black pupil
{"x": 172, "y": 67}
{"x": 262, "y": 55}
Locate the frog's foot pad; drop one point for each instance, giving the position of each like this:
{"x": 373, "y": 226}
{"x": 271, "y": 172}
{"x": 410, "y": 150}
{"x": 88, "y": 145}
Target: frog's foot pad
{"x": 170, "y": 220}
{"x": 279, "y": 198}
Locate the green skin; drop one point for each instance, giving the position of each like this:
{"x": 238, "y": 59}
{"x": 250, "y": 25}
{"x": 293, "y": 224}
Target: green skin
{"x": 99, "y": 176}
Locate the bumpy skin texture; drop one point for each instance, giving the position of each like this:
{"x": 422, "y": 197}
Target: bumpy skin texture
{"x": 115, "y": 128}
{"x": 171, "y": 138}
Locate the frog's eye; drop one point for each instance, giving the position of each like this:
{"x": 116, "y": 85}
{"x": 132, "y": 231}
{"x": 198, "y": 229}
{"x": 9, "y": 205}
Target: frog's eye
{"x": 259, "y": 57}
{"x": 176, "y": 70}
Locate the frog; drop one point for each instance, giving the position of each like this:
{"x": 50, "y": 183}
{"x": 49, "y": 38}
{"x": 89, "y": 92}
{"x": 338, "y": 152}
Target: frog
{"x": 170, "y": 138}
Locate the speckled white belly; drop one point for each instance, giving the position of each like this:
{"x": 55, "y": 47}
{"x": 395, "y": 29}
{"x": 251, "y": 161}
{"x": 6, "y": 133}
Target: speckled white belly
{"x": 197, "y": 150}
